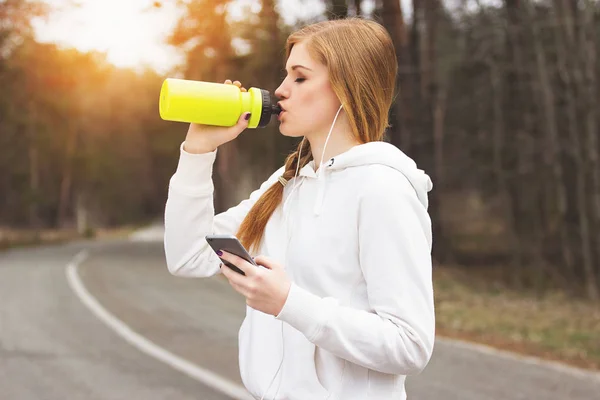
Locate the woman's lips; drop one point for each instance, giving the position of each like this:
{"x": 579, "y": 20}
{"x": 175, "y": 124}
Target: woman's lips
{"x": 280, "y": 115}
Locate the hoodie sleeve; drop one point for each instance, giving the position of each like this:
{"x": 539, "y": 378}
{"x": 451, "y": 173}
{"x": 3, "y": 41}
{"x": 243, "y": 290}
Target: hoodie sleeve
{"x": 189, "y": 216}
{"x": 396, "y": 335}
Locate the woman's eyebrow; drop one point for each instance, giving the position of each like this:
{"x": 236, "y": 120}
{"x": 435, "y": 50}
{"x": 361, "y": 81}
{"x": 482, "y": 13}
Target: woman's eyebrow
{"x": 294, "y": 67}
{"x": 300, "y": 66}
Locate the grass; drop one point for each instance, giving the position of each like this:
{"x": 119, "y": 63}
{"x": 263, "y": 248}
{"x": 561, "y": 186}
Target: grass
{"x": 552, "y": 327}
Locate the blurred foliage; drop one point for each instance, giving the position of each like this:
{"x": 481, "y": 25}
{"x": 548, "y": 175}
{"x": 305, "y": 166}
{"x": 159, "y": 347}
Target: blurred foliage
{"x": 78, "y": 135}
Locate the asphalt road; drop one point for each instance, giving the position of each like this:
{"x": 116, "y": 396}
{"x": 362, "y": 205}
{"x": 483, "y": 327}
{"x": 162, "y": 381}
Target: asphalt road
{"x": 53, "y": 346}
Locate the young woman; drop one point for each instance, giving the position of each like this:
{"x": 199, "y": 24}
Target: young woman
{"x": 343, "y": 308}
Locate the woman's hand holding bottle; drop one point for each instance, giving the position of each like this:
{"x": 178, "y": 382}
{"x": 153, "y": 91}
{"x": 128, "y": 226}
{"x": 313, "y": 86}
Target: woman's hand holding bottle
{"x": 206, "y": 138}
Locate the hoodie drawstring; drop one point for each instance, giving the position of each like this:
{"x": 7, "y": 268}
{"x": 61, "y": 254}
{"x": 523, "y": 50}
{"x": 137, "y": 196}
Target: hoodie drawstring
{"x": 320, "y": 194}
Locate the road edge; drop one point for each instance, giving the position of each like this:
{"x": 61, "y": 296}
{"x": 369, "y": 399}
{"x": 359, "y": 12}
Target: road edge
{"x": 204, "y": 376}
{"x": 511, "y": 355}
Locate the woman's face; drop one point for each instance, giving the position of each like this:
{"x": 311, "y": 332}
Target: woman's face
{"x": 306, "y": 96}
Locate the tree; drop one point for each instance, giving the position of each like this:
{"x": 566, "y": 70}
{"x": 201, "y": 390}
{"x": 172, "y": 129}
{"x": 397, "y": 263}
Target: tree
{"x": 204, "y": 32}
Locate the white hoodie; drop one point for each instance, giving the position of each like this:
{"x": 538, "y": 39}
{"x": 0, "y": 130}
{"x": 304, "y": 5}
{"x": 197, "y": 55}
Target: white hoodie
{"x": 359, "y": 316}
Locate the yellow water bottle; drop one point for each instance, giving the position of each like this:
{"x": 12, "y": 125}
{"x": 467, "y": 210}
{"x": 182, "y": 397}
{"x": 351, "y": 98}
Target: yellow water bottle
{"x": 217, "y": 104}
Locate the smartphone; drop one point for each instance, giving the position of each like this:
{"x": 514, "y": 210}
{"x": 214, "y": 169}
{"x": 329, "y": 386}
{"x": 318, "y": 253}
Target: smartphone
{"x": 230, "y": 244}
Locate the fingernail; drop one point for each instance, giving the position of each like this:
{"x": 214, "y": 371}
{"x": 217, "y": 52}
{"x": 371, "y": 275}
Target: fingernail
{"x": 219, "y": 253}
{"x": 247, "y": 117}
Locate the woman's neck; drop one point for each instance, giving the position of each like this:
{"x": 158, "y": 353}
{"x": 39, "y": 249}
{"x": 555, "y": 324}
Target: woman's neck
{"x": 340, "y": 141}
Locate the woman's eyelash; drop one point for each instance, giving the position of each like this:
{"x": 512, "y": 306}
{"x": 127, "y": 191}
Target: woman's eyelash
{"x": 298, "y": 80}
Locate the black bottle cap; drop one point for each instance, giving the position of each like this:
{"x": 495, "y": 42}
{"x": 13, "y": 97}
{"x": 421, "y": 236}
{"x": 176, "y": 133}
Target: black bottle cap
{"x": 268, "y": 109}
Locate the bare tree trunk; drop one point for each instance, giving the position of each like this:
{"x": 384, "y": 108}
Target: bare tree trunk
{"x": 439, "y": 116}
{"x": 514, "y": 127}
{"x": 434, "y": 105}
{"x": 34, "y": 185}
{"x": 564, "y": 40}
{"x": 81, "y": 213}
{"x": 435, "y": 90}
{"x": 498, "y": 127}
{"x": 578, "y": 75}
{"x": 498, "y": 136}
{"x": 393, "y": 20}
{"x": 499, "y": 145}
{"x": 584, "y": 220}
{"x": 566, "y": 9}
{"x": 589, "y": 88}
{"x": 67, "y": 176}
{"x": 551, "y": 157}
{"x": 358, "y": 7}
{"x": 429, "y": 71}
{"x": 34, "y": 169}
{"x": 415, "y": 51}
{"x": 576, "y": 83}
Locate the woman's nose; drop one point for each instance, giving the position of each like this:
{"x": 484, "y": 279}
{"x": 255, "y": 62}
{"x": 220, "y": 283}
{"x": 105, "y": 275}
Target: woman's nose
{"x": 281, "y": 92}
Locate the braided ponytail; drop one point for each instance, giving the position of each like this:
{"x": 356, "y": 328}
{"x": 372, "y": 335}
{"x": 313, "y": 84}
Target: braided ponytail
{"x": 253, "y": 226}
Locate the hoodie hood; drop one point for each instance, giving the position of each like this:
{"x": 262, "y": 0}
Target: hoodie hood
{"x": 372, "y": 153}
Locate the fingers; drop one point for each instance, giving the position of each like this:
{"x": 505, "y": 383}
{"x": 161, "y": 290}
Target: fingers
{"x": 239, "y": 262}
{"x": 234, "y": 279}
{"x": 265, "y": 261}
{"x": 243, "y": 121}
{"x": 236, "y": 83}
{"x": 235, "y": 130}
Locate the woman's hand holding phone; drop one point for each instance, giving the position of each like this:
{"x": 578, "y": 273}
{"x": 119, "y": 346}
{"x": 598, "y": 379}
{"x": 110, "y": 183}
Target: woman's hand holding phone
{"x": 265, "y": 289}
{"x": 206, "y": 138}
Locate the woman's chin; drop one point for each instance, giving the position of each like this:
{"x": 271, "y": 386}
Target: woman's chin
{"x": 286, "y": 131}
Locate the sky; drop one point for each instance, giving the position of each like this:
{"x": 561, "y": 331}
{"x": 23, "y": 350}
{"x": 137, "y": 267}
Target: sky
{"x": 131, "y": 32}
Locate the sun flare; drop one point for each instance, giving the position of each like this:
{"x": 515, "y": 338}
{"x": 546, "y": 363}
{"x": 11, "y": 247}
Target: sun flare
{"x": 131, "y": 32}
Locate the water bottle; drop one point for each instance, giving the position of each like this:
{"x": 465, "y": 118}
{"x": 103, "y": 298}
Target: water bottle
{"x": 216, "y": 104}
